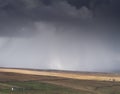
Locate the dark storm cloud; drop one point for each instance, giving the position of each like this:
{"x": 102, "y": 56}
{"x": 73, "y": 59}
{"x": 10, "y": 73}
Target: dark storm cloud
{"x": 60, "y": 34}
{"x": 19, "y": 14}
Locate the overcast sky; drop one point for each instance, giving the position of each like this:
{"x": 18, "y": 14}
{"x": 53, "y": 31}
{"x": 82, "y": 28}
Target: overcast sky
{"x": 79, "y": 35}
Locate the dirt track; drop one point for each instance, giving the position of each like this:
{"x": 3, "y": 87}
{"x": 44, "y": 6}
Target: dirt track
{"x": 65, "y": 74}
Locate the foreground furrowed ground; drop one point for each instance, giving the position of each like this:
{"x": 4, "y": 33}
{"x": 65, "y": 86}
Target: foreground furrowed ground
{"x": 32, "y": 87}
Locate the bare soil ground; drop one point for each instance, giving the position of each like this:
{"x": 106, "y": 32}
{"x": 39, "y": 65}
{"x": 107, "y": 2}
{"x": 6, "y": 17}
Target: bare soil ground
{"x": 89, "y": 83}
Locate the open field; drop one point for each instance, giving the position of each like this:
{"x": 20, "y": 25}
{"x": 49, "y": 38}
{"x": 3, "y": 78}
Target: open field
{"x": 26, "y": 83}
{"x": 63, "y": 74}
